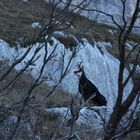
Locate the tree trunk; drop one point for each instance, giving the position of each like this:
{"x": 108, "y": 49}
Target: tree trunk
{"x": 113, "y": 123}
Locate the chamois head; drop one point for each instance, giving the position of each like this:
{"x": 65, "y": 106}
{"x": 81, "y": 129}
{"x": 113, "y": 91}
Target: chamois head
{"x": 79, "y": 71}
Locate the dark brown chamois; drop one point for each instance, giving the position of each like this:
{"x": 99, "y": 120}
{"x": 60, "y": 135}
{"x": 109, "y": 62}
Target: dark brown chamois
{"x": 89, "y": 90}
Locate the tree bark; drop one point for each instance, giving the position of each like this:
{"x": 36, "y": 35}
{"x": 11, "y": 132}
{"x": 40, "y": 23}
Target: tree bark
{"x": 113, "y": 124}
{"x": 120, "y": 111}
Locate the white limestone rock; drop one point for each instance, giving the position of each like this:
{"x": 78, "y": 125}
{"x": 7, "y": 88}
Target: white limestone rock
{"x": 100, "y": 67}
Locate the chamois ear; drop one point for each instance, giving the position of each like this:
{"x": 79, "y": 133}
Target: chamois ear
{"x": 81, "y": 66}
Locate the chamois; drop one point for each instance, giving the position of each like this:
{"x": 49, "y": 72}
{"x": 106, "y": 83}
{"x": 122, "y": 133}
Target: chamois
{"x": 88, "y": 89}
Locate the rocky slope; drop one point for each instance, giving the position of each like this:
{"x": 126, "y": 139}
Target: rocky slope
{"x": 100, "y": 66}
{"x": 45, "y": 119}
{"x": 113, "y": 7}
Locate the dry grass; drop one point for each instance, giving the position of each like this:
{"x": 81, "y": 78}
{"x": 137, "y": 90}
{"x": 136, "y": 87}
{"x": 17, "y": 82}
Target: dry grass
{"x": 17, "y": 17}
{"x": 16, "y": 92}
{"x": 46, "y": 123}
{"x": 68, "y": 41}
{"x": 131, "y": 136}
